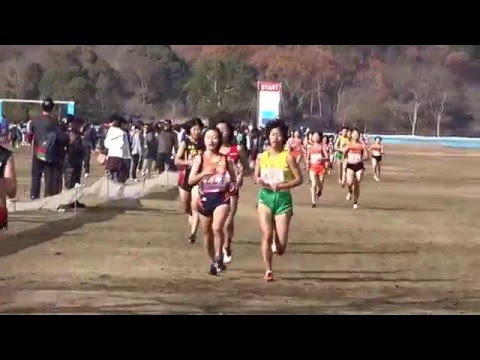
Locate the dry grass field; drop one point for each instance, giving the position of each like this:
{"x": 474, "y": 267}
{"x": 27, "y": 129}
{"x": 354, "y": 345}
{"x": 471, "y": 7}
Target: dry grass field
{"x": 413, "y": 247}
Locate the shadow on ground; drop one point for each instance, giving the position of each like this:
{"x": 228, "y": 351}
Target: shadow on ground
{"x": 50, "y": 230}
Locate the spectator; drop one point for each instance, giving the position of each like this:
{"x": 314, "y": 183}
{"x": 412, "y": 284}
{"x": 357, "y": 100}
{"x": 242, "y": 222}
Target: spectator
{"x": 75, "y": 155}
{"x": 89, "y": 140}
{"x": 150, "y": 152}
{"x": 4, "y": 131}
{"x": 14, "y": 136}
{"x": 137, "y": 150}
{"x": 118, "y": 150}
{"x": 167, "y": 146}
{"x": 49, "y": 142}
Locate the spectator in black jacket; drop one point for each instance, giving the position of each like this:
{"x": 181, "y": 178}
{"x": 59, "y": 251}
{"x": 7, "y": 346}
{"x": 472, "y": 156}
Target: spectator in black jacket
{"x": 150, "y": 153}
{"x": 167, "y": 147}
{"x": 49, "y": 142}
{"x": 73, "y": 162}
{"x": 89, "y": 140}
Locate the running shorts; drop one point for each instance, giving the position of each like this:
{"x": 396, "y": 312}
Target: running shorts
{"x": 210, "y": 201}
{"x": 296, "y": 154}
{"x": 318, "y": 169}
{"x": 3, "y": 218}
{"x": 356, "y": 167}
{"x": 183, "y": 180}
{"x": 278, "y": 202}
{"x": 339, "y": 155}
{"x": 378, "y": 158}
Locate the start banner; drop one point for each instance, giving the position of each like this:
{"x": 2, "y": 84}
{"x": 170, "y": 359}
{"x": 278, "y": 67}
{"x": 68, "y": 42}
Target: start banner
{"x": 269, "y": 97}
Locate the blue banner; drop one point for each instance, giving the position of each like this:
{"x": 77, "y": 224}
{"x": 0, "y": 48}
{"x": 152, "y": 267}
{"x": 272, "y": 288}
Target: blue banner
{"x": 1, "y": 109}
{"x": 71, "y": 108}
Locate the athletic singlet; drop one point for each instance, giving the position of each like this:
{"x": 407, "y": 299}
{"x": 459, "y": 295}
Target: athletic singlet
{"x": 326, "y": 150}
{"x": 220, "y": 181}
{"x": 343, "y": 141}
{"x": 316, "y": 154}
{"x": 295, "y": 144}
{"x": 5, "y": 155}
{"x": 191, "y": 150}
{"x": 234, "y": 154}
{"x": 275, "y": 169}
{"x": 355, "y": 153}
{"x": 376, "y": 149}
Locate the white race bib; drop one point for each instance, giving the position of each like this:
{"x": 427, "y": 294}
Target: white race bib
{"x": 215, "y": 183}
{"x": 272, "y": 176}
{"x": 316, "y": 158}
{"x": 354, "y": 158}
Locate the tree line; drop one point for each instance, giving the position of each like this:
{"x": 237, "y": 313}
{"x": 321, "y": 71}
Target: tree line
{"x": 417, "y": 89}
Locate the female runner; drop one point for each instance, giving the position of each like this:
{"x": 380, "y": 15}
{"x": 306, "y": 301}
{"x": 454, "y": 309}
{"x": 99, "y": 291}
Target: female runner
{"x": 8, "y": 184}
{"x": 317, "y": 158}
{"x": 236, "y": 154}
{"x": 377, "y": 151}
{"x": 215, "y": 175}
{"x": 276, "y": 172}
{"x": 295, "y": 146}
{"x": 355, "y": 153}
{"x": 327, "y": 149}
{"x": 188, "y": 149}
{"x": 341, "y": 142}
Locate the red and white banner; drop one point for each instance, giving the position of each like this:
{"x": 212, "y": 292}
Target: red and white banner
{"x": 269, "y": 97}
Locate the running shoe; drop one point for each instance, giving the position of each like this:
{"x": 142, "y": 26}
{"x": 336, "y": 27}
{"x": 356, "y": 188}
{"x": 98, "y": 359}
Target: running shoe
{"x": 192, "y": 238}
{"x": 314, "y": 206}
{"x": 220, "y": 264}
{"x": 349, "y": 196}
{"x": 268, "y": 276}
{"x": 214, "y": 270}
{"x": 227, "y": 255}
{"x": 355, "y": 206}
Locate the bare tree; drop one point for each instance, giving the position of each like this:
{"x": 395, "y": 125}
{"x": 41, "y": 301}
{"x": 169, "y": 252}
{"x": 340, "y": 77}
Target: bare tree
{"x": 362, "y": 108}
{"x": 14, "y": 76}
{"x": 443, "y": 90}
{"x": 139, "y": 73}
{"x": 410, "y": 86}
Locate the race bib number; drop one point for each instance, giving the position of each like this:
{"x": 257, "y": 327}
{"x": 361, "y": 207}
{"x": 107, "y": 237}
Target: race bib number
{"x": 216, "y": 183}
{"x": 316, "y": 158}
{"x": 354, "y": 158}
{"x": 272, "y": 176}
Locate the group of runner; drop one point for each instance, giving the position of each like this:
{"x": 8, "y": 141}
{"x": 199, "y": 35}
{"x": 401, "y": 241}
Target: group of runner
{"x": 348, "y": 150}
{"x": 212, "y": 172}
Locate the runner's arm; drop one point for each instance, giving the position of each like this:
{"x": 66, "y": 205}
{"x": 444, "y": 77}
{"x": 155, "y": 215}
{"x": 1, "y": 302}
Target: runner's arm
{"x": 179, "y": 156}
{"x": 10, "y": 178}
{"x": 195, "y": 176}
{"x": 232, "y": 171}
{"x": 337, "y": 144}
{"x": 297, "y": 175}
{"x": 307, "y": 158}
{"x": 241, "y": 165}
{"x": 365, "y": 154}
{"x": 256, "y": 172}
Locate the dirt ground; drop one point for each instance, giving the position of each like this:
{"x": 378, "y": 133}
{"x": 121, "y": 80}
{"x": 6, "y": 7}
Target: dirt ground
{"x": 411, "y": 248}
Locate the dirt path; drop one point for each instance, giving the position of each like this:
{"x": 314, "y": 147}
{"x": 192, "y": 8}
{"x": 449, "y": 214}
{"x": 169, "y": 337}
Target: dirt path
{"x": 412, "y": 247}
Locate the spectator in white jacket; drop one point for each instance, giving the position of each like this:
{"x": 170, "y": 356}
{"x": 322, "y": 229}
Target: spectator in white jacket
{"x": 118, "y": 150}
{"x": 137, "y": 150}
